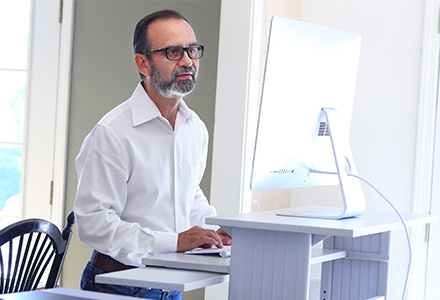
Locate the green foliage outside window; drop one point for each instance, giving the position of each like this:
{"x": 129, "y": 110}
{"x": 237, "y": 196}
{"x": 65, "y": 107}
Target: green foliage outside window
{"x": 10, "y": 173}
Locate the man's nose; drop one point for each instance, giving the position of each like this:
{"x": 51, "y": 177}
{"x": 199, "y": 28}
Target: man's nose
{"x": 186, "y": 61}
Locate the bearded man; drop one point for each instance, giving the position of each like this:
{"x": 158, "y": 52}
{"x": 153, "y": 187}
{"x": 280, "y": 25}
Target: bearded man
{"x": 140, "y": 167}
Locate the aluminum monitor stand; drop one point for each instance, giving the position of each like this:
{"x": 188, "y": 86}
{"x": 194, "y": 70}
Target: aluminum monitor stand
{"x": 351, "y": 191}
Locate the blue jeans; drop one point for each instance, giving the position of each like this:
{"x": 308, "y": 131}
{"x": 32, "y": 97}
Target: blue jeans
{"x": 88, "y": 284}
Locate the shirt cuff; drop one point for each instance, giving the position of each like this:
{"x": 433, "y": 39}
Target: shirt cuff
{"x": 165, "y": 242}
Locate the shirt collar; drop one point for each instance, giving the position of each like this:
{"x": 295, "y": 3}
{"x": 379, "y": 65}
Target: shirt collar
{"x": 184, "y": 110}
{"x": 144, "y": 110}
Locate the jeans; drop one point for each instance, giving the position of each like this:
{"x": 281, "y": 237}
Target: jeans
{"x": 88, "y": 283}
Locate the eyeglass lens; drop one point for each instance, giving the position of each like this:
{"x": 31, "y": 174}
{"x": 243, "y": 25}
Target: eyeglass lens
{"x": 176, "y": 53}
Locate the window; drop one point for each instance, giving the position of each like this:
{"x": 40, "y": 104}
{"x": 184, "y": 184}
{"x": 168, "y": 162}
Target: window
{"x": 14, "y": 31}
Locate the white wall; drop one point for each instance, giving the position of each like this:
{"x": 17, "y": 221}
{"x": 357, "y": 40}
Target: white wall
{"x": 383, "y": 133}
{"x": 384, "y": 125}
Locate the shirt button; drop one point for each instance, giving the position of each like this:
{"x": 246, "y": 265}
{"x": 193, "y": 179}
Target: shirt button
{"x": 179, "y": 200}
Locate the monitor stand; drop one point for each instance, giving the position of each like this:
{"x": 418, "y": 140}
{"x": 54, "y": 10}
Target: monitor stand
{"x": 351, "y": 190}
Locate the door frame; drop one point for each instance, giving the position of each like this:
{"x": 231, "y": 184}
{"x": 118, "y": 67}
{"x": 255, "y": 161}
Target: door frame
{"x": 425, "y": 147}
{"x": 45, "y": 154}
{"x": 62, "y": 114}
{"x": 48, "y": 92}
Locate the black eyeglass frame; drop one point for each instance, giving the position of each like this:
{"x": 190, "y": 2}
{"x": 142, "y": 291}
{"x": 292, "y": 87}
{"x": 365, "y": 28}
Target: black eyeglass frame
{"x": 184, "y": 49}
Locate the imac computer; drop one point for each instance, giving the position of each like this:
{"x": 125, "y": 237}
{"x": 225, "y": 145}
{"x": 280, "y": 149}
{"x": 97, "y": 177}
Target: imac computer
{"x": 305, "y": 115}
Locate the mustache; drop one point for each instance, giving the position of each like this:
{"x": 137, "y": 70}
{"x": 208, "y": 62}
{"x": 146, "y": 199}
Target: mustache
{"x": 190, "y": 69}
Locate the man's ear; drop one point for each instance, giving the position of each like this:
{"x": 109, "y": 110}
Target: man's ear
{"x": 143, "y": 64}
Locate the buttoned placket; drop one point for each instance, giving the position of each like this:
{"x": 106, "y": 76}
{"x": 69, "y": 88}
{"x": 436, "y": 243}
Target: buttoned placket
{"x": 178, "y": 226}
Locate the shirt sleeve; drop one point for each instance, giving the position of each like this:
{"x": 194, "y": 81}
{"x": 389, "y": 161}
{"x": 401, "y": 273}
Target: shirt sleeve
{"x": 201, "y": 210}
{"x": 103, "y": 170}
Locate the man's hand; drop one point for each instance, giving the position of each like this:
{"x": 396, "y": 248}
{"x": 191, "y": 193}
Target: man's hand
{"x": 226, "y": 239}
{"x": 199, "y": 237}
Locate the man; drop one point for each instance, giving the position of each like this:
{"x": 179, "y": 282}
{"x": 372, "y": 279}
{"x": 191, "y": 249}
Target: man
{"x": 140, "y": 167}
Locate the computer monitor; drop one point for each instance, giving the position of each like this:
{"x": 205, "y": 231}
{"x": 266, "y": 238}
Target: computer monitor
{"x": 305, "y": 115}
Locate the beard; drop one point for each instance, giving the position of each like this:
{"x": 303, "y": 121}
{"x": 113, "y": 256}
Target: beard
{"x": 173, "y": 88}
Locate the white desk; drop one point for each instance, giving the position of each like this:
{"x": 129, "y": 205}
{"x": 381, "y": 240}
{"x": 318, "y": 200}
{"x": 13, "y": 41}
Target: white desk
{"x": 271, "y": 255}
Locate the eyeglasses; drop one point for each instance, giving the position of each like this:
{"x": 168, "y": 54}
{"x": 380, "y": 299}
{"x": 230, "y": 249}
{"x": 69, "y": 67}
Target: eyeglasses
{"x": 176, "y": 53}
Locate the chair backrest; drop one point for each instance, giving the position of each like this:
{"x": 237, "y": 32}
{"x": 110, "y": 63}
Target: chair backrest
{"x": 32, "y": 251}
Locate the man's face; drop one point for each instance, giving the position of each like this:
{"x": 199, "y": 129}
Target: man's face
{"x": 172, "y": 79}
{"x": 174, "y": 88}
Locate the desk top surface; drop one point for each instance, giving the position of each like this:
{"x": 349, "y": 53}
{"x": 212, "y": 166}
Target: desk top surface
{"x": 370, "y": 222}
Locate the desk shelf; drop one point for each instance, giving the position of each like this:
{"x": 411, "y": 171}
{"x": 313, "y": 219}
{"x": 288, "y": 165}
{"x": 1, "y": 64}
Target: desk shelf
{"x": 163, "y": 278}
{"x": 207, "y": 263}
{"x": 222, "y": 265}
{"x": 324, "y": 255}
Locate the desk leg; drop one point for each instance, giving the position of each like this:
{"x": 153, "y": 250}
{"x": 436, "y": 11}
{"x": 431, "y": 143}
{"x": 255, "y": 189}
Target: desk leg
{"x": 363, "y": 274}
{"x": 269, "y": 265}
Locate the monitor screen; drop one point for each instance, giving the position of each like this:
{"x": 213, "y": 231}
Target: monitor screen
{"x": 310, "y": 78}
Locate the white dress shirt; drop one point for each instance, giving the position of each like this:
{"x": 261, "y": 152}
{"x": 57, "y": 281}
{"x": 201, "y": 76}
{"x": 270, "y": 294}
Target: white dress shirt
{"x": 138, "y": 180}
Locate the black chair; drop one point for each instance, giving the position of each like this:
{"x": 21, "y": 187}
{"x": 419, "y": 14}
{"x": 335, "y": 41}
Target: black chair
{"x": 32, "y": 251}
